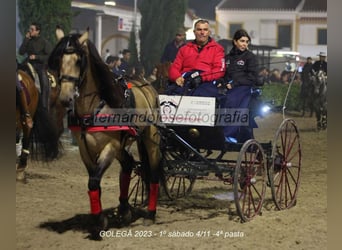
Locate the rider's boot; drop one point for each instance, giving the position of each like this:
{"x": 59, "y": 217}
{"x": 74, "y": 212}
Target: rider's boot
{"x": 44, "y": 88}
{"x": 25, "y": 110}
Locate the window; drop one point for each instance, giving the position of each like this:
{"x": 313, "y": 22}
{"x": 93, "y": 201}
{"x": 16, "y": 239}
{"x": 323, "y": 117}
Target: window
{"x": 233, "y": 27}
{"x": 284, "y": 36}
{"x": 322, "y": 37}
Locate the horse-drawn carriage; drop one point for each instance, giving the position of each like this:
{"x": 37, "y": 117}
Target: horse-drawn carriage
{"x": 182, "y": 153}
{"x": 191, "y": 151}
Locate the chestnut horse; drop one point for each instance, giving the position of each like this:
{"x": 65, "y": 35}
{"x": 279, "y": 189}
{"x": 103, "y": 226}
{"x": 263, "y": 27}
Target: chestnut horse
{"x": 42, "y": 140}
{"x": 90, "y": 90}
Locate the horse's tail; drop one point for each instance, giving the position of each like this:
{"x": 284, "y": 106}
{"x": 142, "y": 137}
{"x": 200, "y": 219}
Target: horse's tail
{"x": 45, "y": 136}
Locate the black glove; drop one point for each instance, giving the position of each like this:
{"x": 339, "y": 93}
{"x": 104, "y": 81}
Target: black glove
{"x": 195, "y": 80}
{"x": 221, "y": 84}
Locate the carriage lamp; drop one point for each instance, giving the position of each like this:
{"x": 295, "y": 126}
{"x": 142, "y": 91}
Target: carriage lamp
{"x": 265, "y": 109}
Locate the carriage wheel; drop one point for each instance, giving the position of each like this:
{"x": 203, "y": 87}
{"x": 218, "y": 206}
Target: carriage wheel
{"x": 250, "y": 180}
{"x": 138, "y": 192}
{"x": 284, "y": 173}
{"x": 179, "y": 176}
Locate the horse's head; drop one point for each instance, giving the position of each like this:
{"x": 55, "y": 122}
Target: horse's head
{"x": 319, "y": 81}
{"x": 68, "y": 59}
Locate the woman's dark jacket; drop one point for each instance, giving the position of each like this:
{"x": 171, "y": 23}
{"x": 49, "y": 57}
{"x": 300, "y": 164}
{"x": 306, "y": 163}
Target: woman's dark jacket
{"x": 242, "y": 68}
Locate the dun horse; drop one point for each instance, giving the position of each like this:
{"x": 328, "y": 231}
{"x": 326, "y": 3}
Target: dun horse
{"x": 42, "y": 139}
{"x": 89, "y": 89}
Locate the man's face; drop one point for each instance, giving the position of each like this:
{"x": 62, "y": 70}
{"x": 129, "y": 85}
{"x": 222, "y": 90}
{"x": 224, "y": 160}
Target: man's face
{"x": 33, "y": 31}
{"x": 180, "y": 37}
{"x": 127, "y": 56}
{"x": 202, "y": 33}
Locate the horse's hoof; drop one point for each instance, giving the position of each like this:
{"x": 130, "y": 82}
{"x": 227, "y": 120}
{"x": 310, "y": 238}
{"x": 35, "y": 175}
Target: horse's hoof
{"x": 121, "y": 218}
{"x": 150, "y": 218}
{"x": 148, "y": 222}
{"x": 94, "y": 236}
{"x": 98, "y": 223}
{"x": 21, "y": 176}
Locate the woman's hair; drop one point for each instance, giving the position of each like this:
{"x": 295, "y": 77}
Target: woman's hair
{"x": 240, "y": 33}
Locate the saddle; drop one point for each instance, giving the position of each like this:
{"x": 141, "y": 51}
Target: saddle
{"x": 52, "y": 80}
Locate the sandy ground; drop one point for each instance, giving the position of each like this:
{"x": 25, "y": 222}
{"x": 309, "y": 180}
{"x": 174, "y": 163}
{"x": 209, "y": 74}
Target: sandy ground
{"x": 52, "y": 208}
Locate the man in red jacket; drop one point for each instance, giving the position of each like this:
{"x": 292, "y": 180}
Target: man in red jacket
{"x": 203, "y": 55}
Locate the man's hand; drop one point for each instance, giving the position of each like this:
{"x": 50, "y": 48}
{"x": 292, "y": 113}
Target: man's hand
{"x": 229, "y": 85}
{"x": 180, "y": 81}
{"x": 195, "y": 80}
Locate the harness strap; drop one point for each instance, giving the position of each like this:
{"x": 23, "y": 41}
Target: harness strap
{"x": 130, "y": 130}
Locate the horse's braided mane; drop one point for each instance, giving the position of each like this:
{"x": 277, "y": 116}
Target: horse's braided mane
{"x": 109, "y": 90}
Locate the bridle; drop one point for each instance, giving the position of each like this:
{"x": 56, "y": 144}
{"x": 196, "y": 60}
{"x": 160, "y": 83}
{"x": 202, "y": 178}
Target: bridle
{"x": 68, "y": 50}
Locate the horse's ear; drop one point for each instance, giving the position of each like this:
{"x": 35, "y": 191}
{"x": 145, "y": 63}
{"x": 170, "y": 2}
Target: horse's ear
{"x": 59, "y": 33}
{"x": 84, "y": 37}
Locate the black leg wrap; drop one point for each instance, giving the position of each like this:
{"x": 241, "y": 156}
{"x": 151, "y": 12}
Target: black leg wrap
{"x": 151, "y": 215}
{"x": 97, "y": 223}
{"x": 23, "y": 158}
{"x": 124, "y": 205}
{"x": 94, "y": 183}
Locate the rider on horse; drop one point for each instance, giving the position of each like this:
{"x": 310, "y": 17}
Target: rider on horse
{"x": 37, "y": 50}
{"x": 321, "y": 64}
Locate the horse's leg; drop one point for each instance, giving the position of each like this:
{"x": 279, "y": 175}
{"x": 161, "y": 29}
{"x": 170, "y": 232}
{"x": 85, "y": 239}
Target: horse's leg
{"x": 318, "y": 118}
{"x": 95, "y": 171}
{"x": 22, "y": 164}
{"x": 18, "y": 145}
{"x": 303, "y": 106}
{"x": 324, "y": 118}
{"x": 151, "y": 151}
{"x": 311, "y": 106}
{"x": 127, "y": 164}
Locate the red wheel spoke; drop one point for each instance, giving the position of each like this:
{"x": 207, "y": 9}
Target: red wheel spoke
{"x": 285, "y": 174}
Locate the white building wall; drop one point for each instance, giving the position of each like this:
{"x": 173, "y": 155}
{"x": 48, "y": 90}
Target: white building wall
{"x": 255, "y": 22}
{"x": 263, "y": 26}
{"x": 308, "y": 34}
{"x": 268, "y": 29}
